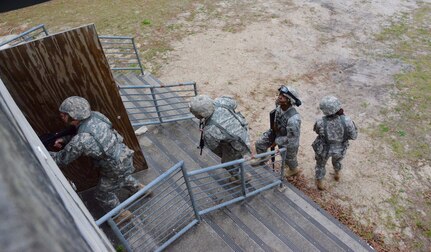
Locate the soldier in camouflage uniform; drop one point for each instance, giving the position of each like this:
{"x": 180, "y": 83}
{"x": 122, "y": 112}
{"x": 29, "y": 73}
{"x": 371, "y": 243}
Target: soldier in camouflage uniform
{"x": 225, "y": 131}
{"x": 334, "y": 132}
{"x": 286, "y": 129}
{"x": 97, "y": 139}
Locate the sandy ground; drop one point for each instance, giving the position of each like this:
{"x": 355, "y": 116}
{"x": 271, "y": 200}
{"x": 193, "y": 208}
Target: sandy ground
{"x": 320, "y": 48}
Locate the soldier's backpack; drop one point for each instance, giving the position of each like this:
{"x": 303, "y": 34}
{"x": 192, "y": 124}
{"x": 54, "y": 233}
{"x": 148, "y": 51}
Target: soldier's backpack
{"x": 321, "y": 143}
{"x": 233, "y": 124}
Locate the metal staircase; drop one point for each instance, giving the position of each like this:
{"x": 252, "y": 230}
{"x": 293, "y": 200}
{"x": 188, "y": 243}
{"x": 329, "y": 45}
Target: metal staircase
{"x": 278, "y": 219}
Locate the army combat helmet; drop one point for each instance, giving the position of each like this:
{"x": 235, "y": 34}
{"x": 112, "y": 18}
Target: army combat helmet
{"x": 290, "y": 93}
{"x": 330, "y": 105}
{"x": 202, "y": 106}
{"x": 76, "y": 107}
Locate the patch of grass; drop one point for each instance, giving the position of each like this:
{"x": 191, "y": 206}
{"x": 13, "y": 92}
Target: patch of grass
{"x": 120, "y": 248}
{"x": 410, "y": 37}
{"x": 383, "y": 128}
{"x": 365, "y": 105}
{"x": 145, "y": 20}
{"x": 395, "y": 30}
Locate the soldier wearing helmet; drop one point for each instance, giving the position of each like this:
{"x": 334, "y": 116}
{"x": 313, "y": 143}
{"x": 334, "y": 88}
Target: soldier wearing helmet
{"x": 334, "y": 130}
{"x": 97, "y": 139}
{"x": 285, "y": 130}
{"x": 224, "y": 131}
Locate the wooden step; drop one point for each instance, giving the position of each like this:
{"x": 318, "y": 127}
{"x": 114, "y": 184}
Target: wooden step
{"x": 271, "y": 221}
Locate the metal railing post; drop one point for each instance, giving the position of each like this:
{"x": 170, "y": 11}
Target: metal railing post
{"x": 119, "y": 235}
{"x": 137, "y": 56}
{"x": 24, "y": 36}
{"x": 156, "y": 105}
{"x": 282, "y": 169}
{"x": 45, "y": 30}
{"x": 244, "y": 192}
{"x": 189, "y": 189}
{"x": 194, "y": 87}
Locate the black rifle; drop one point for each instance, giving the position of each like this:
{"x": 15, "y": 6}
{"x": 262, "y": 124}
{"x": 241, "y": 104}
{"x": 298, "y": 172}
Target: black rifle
{"x": 48, "y": 139}
{"x": 273, "y": 129}
{"x": 201, "y": 142}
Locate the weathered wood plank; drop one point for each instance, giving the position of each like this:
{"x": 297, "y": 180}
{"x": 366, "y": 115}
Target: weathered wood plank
{"x": 40, "y": 210}
{"x": 42, "y": 73}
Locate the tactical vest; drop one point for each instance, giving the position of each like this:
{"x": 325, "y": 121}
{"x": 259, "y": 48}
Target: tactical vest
{"x": 282, "y": 120}
{"x": 100, "y": 128}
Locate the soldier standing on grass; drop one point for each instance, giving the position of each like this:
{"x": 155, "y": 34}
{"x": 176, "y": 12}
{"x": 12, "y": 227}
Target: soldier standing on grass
{"x": 285, "y": 131}
{"x": 225, "y": 132}
{"x": 334, "y": 131}
{"x": 97, "y": 139}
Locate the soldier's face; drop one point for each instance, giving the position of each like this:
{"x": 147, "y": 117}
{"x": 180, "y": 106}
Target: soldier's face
{"x": 283, "y": 100}
{"x": 64, "y": 117}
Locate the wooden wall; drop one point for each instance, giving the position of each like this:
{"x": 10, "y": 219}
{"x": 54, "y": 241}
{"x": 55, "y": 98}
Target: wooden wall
{"x": 42, "y": 73}
{"x": 39, "y": 209}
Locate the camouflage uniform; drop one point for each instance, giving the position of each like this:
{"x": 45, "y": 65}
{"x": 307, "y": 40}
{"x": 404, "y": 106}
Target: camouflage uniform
{"x": 97, "y": 139}
{"x": 334, "y": 132}
{"x": 225, "y": 131}
{"x": 288, "y": 124}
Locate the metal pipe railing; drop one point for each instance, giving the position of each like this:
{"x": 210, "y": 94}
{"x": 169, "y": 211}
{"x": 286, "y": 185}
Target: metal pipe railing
{"x": 184, "y": 197}
{"x": 163, "y": 109}
{"x": 24, "y": 34}
{"x": 131, "y": 50}
{"x": 140, "y": 193}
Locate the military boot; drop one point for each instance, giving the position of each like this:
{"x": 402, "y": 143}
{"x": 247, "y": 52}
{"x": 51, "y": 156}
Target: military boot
{"x": 247, "y": 177}
{"x": 259, "y": 161}
{"x": 337, "y": 175}
{"x": 124, "y": 216}
{"x": 320, "y": 185}
{"x": 237, "y": 181}
{"x": 292, "y": 172}
{"x": 148, "y": 193}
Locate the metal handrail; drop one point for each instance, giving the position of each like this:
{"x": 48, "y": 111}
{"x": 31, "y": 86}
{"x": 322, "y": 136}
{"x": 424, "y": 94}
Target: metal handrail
{"x": 184, "y": 203}
{"x": 115, "y": 60}
{"x": 150, "y": 104}
{"x": 24, "y": 34}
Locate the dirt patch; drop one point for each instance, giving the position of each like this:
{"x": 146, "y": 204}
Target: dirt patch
{"x": 320, "y": 48}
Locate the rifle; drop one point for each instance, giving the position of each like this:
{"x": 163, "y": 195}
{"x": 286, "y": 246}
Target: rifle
{"x": 201, "y": 142}
{"x": 273, "y": 129}
{"x": 48, "y": 139}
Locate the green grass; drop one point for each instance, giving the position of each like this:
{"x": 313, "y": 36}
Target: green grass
{"x": 153, "y": 23}
{"x": 407, "y": 125}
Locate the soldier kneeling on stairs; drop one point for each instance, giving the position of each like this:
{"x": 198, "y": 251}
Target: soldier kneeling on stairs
{"x": 97, "y": 139}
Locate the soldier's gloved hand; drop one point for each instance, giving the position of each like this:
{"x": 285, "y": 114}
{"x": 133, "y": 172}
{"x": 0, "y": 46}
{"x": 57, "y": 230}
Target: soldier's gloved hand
{"x": 59, "y": 143}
